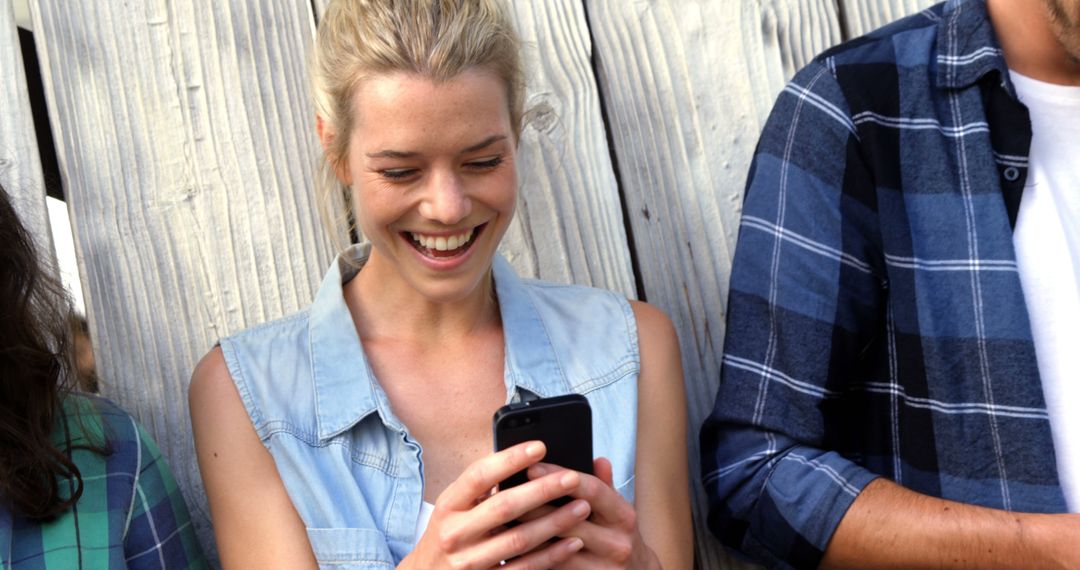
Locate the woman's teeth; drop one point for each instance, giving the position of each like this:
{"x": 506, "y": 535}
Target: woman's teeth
{"x": 443, "y": 243}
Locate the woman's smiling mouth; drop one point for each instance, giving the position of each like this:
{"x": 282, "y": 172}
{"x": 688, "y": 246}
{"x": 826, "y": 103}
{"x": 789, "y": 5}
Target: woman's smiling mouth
{"x": 443, "y": 246}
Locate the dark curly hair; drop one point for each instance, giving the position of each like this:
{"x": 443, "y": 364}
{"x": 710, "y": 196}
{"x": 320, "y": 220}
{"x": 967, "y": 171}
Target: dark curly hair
{"x": 36, "y": 373}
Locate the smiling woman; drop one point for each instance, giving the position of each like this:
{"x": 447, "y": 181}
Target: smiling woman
{"x": 358, "y": 432}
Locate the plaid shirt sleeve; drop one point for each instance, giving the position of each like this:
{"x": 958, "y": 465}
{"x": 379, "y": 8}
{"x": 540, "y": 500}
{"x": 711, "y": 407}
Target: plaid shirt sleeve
{"x": 159, "y": 533}
{"x": 806, "y": 296}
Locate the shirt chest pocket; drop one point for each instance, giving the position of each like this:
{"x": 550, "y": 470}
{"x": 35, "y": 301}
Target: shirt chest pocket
{"x": 347, "y": 548}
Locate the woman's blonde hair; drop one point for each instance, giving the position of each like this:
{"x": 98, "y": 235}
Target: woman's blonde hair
{"x": 435, "y": 39}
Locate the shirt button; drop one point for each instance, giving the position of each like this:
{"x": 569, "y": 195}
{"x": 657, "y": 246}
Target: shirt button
{"x": 1012, "y": 173}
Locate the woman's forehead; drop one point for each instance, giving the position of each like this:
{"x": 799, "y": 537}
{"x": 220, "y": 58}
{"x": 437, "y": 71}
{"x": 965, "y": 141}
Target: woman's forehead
{"x": 413, "y": 110}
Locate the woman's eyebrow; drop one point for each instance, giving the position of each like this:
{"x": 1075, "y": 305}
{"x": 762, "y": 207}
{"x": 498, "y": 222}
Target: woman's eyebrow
{"x": 484, "y": 143}
{"x": 389, "y": 153}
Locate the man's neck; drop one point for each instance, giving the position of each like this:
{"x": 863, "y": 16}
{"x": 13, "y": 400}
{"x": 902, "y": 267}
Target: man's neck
{"x": 1031, "y": 43}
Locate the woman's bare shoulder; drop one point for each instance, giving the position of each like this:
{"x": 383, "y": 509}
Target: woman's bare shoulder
{"x": 211, "y": 383}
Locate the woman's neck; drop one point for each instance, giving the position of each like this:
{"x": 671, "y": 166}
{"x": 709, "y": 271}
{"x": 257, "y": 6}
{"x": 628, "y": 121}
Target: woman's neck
{"x": 386, "y": 307}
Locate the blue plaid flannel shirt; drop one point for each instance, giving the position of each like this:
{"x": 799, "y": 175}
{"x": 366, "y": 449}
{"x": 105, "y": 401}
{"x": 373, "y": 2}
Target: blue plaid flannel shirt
{"x": 876, "y": 324}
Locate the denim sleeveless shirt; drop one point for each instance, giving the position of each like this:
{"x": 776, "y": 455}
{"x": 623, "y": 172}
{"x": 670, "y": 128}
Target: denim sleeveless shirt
{"x": 350, "y": 466}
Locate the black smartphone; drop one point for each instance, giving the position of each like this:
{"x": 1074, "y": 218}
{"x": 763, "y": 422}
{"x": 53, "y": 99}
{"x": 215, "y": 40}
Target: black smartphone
{"x": 563, "y": 423}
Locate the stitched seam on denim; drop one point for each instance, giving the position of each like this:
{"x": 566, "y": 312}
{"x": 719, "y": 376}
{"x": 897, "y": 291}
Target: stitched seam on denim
{"x": 622, "y": 371}
{"x": 386, "y": 466}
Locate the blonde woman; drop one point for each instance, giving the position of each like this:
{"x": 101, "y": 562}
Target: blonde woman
{"x": 358, "y": 432}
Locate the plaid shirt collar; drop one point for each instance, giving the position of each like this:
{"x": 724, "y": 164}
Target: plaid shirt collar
{"x": 968, "y": 48}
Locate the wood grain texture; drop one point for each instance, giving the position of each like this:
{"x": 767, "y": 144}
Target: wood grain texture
{"x": 862, "y": 16}
{"x": 186, "y": 144}
{"x": 20, "y": 164}
{"x": 569, "y": 224}
{"x": 688, "y": 84}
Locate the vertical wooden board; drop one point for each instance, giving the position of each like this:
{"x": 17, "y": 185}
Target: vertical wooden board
{"x": 20, "y": 163}
{"x": 863, "y": 16}
{"x": 569, "y": 225}
{"x": 688, "y": 84}
{"x": 185, "y": 141}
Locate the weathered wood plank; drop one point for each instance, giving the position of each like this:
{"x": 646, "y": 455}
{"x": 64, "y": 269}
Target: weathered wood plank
{"x": 862, "y": 16}
{"x": 184, "y": 136}
{"x": 569, "y": 222}
{"x": 688, "y": 84}
{"x": 20, "y": 164}
{"x": 568, "y": 227}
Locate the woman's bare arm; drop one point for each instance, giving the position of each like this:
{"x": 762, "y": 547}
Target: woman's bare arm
{"x": 255, "y": 523}
{"x": 662, "y": 489}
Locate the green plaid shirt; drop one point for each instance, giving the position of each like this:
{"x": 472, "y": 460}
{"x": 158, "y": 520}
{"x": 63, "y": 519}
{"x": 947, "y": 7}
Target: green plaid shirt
{"x": 131, "y": 513}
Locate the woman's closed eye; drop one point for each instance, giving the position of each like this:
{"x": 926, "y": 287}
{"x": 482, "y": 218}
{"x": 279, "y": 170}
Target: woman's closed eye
{"x": 398, "y": 174}
{"x": 484, "y": 164}
{"x": 406, "y": 174}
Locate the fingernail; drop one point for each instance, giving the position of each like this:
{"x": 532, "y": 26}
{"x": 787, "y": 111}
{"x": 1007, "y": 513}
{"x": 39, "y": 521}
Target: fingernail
{"x": 580, "y": 508}
{"x": 534, "y": 449}
{"x": 568, "y": 479}
{"x": 575, "y": 545}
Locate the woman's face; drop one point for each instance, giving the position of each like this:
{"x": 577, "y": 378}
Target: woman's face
{"x": 433, "y": 176}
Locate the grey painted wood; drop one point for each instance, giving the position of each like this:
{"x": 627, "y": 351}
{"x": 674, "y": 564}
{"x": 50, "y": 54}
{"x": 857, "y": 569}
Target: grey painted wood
{"x": 185, "y": 139}
{"x": 20, "y": 164}
{"x": 569, "y": 225}
{"x": 862, "y": 16}
{"x": 687, "y": 85}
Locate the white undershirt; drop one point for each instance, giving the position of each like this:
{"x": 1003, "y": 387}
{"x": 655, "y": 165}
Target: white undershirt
{"x": 1047, "y": 240}
{"x": 426, "y": 509}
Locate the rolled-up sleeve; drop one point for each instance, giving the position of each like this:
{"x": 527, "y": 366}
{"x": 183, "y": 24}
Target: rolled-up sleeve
{"x": 805, "y": 306}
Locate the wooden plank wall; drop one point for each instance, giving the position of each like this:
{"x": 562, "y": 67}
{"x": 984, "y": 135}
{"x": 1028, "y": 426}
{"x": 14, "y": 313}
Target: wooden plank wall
{"x": 184, "y": 140}
{"x": 20, "y": 163}
{"x": 688, "y": 84}
{"x": 186, "y": 144}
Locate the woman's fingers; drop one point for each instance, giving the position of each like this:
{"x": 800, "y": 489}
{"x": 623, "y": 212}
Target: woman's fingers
{"x": 602, "y": 470}
{"x": 549, "y": 557}
{"x": 609, "y": 508}
{"x": 509, "y": 505}
{"x": 608, "y": 543}
{"x": 482, "y": 475}
{"x": 527, "y": 537}
{"x": 610, "y": 532}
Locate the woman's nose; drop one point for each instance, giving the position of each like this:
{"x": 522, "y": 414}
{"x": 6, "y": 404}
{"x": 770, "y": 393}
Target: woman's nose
{"x": 445, "y": 199}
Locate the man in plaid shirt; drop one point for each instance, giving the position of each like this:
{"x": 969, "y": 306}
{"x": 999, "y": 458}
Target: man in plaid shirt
{"x": 902, "y": 328}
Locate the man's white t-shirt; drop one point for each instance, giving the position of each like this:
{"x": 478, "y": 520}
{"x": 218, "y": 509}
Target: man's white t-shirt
{"x": 1047, "y": 241}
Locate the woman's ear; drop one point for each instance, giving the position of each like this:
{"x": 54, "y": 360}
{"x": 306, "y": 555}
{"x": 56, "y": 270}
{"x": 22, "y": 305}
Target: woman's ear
{"x": 326, "y": 139}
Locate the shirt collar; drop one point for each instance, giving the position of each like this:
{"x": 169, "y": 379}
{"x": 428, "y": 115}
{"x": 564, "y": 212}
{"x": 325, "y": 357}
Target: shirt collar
{"x": 346, "y": 390}
{"x": 531, "y": 360}
{"x": 967, "y": 47}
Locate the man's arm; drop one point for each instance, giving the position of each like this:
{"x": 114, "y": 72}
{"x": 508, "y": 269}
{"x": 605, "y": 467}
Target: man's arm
{"x": 806, "y": 292}
{"x": 889, "y": 526}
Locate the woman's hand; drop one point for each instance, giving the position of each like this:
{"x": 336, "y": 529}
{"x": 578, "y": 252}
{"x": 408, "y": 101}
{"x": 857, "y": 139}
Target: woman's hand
{"x": 611, "y": 536}
{"x": 467, "y": 529}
